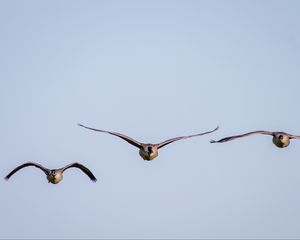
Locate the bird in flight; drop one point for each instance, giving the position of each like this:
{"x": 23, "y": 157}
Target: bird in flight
{"x": 54, "y": 175}
{"x": 147, "y": 151}
{"x": 280, "y": 139}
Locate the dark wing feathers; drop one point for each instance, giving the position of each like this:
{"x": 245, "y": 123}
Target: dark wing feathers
{"x": 226, "y": 139}
{"x": 124, "y": 137}
{"x": 294, "y": 136}
{"x": 82, "y": 168}
{"x": 164, "y": 143}
{"x": 45, "y": 170}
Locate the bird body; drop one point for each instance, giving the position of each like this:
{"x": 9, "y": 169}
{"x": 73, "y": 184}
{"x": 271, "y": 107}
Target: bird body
{"x": 149, "y": 151}
{"x": 281, "y": 139}
{"x": 55, "y": 176}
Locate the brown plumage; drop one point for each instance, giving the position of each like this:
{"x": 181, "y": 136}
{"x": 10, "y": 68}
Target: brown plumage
{"x": 54, "y": 175}
{"x": 147, "y": 151}
{"x": 280, "y": 139}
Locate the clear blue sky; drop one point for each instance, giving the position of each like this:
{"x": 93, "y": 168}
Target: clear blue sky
{"x": 152, "y": 70}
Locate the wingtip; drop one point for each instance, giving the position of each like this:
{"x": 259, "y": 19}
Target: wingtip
{"x": 6, "y": 178}
{"x": 94, "y": 179}
{"x": 212, "y": 141}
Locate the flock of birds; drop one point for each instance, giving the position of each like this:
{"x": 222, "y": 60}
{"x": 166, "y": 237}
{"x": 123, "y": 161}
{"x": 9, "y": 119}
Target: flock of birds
{"x": 147, "y": 151}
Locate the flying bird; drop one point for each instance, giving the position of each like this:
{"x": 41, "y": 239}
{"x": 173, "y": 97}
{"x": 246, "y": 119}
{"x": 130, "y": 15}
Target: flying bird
{"x": 54, "y": 175}
{"x": 147, "y": 151}
{"x": 280, "y": 139}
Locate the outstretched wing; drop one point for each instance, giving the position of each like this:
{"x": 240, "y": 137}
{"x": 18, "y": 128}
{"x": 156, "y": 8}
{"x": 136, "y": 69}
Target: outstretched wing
{"x": 293, "y": 136}
{"x": 124, "y": 137}
{"x": 45, "y": 170}
{"x": 82, "y": 168}
{"x": 226, "y": 139}
{"x": 164, "y": 143}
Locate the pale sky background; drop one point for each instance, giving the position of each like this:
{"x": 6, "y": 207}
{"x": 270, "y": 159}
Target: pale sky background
{"x": 152, "y": 70}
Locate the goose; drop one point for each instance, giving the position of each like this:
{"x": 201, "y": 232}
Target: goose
{"x": 54, "y": 175}
{"x": 148, "y": 151}
{"x": 280, "y": 139}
